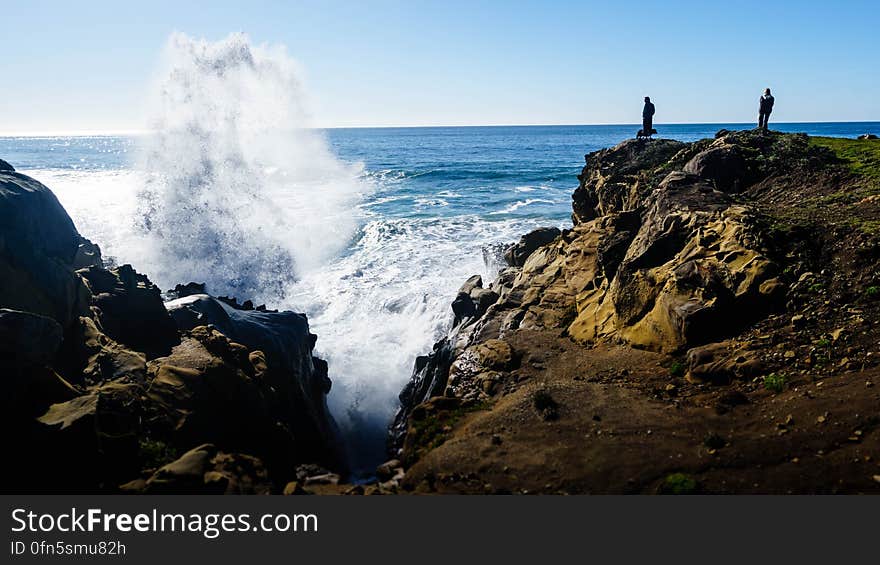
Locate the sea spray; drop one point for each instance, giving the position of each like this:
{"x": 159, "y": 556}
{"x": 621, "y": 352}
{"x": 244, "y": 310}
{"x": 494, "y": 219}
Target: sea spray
{"x": 239, "y": 193}
{"x": 232, "y": 190}
{"x": 386, "y": 302}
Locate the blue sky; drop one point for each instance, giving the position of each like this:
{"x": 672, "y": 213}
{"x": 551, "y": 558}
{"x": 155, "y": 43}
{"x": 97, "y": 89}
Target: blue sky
{"x": 88, "y": 66}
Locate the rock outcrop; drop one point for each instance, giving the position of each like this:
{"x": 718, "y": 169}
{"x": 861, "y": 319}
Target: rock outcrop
{"x": 516, "y": 254}
{"x": 104, "y": 384}
{"x": 38, "y": 249}
{"x": 662, "y": 256}
{"x": 130, "y": 310}
{"x": 206, "y": 470}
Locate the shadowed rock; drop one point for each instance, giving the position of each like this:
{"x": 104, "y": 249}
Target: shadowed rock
{"x": 206, "y": 470}
{"x": 517, "y": 254}
{"x": 38, "y": 249}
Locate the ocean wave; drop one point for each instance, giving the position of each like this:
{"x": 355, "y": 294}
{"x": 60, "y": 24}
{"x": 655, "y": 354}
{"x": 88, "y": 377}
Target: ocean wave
{"x": 450, "y": 194}
{"x": 531, "y": 188}
{"x": 430, "y": 202}
{"x": 520, "y": 204}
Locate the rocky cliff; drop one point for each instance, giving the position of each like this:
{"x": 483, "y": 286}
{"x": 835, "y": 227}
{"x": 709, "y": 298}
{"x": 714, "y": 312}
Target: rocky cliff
{"x": 106, "y": 388}
{"x": 710, "y": 303}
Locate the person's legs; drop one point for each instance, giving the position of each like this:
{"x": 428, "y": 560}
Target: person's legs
{"x": 766, "y": 120}
{"x": 761, "y": 120}
{"x": 647, "y": 126}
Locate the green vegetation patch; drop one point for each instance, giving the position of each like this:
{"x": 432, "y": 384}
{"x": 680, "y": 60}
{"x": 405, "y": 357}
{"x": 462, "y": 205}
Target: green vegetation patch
{"x": 429, "y": 430}
{"x": 679, "y": 483}
{"x": 774, "y": 382}
{"x": 677, "y": 369}
{"x": 156, "y": 453}
{"x": 861, "y": 156}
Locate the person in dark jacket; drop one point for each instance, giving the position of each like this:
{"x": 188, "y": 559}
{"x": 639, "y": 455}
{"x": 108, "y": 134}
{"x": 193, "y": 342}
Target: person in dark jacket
{"x": 765, "y": 106}
{"x": 648, "y": 117}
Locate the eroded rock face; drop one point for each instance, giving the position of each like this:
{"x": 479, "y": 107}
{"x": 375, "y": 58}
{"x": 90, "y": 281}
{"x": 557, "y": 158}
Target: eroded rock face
{"x": 298, "y": 379}
{"x": 130, "y": 310}
{"x": 723, "y": 164}
{"x": 209, "y": 391}
{"x": 616, "y": 179}
{"x": 692, "y": 273}
{"x": 106, "y": 360}
{"x": 660, "y": 257}
{"x": 518, "y": 253}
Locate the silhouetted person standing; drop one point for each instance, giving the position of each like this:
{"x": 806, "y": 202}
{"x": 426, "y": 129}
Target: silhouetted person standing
{"x": 648, "y": 117}
{"x": 765, "y": 106}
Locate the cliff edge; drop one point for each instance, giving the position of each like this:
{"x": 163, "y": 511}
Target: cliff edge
{"x": 708, "y": 323}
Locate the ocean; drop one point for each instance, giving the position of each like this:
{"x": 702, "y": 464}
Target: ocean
{"x": 370, "y": 232}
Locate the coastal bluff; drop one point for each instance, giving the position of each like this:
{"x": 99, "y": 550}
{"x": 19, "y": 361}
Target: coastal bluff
{"x": 709, "y": 323}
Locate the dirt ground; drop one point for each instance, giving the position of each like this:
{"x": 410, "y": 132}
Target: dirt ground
{"x": 624, "y": 425}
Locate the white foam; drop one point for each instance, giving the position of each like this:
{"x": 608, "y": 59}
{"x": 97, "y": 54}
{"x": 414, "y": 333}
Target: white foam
{"x": 520, "y": 204}
{"x": 238, "y": 193}
{"x": 385, "y": 302}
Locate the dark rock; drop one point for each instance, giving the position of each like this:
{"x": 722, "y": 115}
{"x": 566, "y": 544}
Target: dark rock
{"x": 723, "y": 165}
{"x": 267, "y": 397}
{"x": 616, "y": 179}
{"x": 130, "y": 310}
{"x": 517, "y": 254}
{"x": 4, "y": 166}
{"x": 207, "y": 470}
{"x": 28, "y": 340}
{"x": 294, "y": 488}
{"x": 463, "y": 307}
{"x": 283, "y": 336}
{"x": 867, "y": 136}
{"x": 188, "y": 289}
{"x": 88, "y": 254}
{"x": 429, "y": 379}
{"x": 307, "y": 470}
{"x": 38, "y": 248}
{"x": 94, "y": 437}
{"x": 102, "y": 359}
{"x": 720, "y": 364}
{"x": 386, "y": 471}
{"x": 254, "y": 388}
{"x": 472, "y": 300}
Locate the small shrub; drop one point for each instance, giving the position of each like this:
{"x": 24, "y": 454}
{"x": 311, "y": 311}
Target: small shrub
{"x": 824, "y": 342}
{"x": 774, "y": 382}
{"x": 677, "y": 369}
{"x": 156, "y": 453}
{"x": 872, "y": 292}
{"x": 817, "y": 288}
{"x": 679, "y": 483}
{"x": 546, "y": 406}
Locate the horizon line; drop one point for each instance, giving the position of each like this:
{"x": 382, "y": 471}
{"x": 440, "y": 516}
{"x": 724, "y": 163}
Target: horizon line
{"x": 137, "y": 132}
